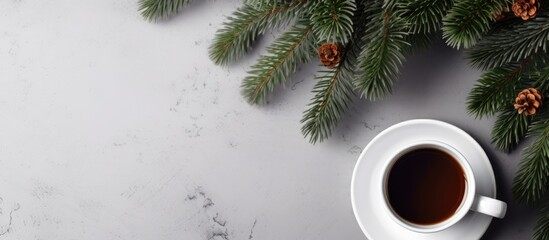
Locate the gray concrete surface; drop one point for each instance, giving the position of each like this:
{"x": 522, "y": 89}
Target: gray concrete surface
{"x": 115, "y": 128}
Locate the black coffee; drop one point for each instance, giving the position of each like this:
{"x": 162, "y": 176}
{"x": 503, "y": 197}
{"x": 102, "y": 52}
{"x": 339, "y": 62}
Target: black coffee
{"x": 426, "y": 186}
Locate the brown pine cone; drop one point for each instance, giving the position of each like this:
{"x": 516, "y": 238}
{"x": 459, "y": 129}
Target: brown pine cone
{"x": 526, "y": 9}
{"x": 330, "y": 54}
{"x": 528, "y": 101}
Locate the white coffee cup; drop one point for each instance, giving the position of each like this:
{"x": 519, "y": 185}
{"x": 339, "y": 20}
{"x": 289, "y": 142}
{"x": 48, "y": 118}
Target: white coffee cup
{"x": 470, "y": 201}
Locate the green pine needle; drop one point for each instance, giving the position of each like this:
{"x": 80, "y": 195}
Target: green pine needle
{"x": 246, "y": 24}
{"x": 293, "y": 47}
{"x": 263, "y": 3}
{"x": 468, "y": 20}
{"x": 154, "y": 10}
{"x": 509, "y": 129}
{"x": 532, "y": 180}
{"x": 418, "y": 42}
{"x": 332, "y": 20}
{"x": 334, "y": 90}
{"x": 495, "y": 90}
{"x": 381, "y": 59}
{"x": 541, "y": 229}
{"x": 333, "y": 95}
{"x": 425, "y": 16}
{"x": 514, "y": 44}
{"x": 542, "y": 82}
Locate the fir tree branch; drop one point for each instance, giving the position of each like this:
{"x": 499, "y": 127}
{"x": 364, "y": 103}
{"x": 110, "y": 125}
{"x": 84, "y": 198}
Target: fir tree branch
{"x": 334, "y": 90}
{"x": 333, "y": 95}
{"x": 332, "y": 20}
{"x": 495, "y": 89}
{"x": 541, "y": 229}
{"x": 418, "y": 42}
{"x": 510, "y": 128}
{"x": 258, "y": 2}
{"x": 514, "y": 44}
{"x": 246, "y": 24}
{"x": 293, "y": 47}
{"x": 425, "y": 16}
{"x": 263, "y": 3}
{"x": 532, "y": 179}
{"x": 382, "y": 57}
{"x": 468, "y": 20}
{"x": 542, "y": 82}
{"x": 154, "y": 10}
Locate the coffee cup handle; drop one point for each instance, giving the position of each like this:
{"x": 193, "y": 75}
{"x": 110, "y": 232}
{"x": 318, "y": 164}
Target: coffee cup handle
{"x": 489, "y": 206}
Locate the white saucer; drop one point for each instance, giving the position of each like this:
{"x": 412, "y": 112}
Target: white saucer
{"x": 366, "y": 192}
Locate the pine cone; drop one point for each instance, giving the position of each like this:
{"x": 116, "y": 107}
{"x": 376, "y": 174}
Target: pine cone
{"x": 330, "y": 54}
{"x": 526, "y": 9}
{"x": 528, "y": 101}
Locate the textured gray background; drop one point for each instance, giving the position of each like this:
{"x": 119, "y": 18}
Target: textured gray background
{"x": 115, "y": 128}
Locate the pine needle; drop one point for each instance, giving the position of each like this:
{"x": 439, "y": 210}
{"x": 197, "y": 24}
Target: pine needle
{"x": 541, "y": 229}
{"x": 263, "y": 3}
{"x": 154, "y": 10}
{"x": 245, "y": 25}
{"x": 495, "y": 90}
{"x": 532, "y": 180}
{"x": 295, "y": 46}
{"x": 332, "y": 20}
{"x": 542, "y": 81}
{"x": 468, "y": 20}
{"x": 514, "y": 44}
{"x": 333, "y": 95}
{"x": 425, "y": 16}
{"x": 334, "y": 90}
{"x": 382, "y": 57}
{"x": 509, "y": 129}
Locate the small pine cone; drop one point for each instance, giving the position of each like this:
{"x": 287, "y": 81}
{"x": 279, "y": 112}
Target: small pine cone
{"x": 330, "y": 54}
{"x": 528, "y": 101}
{"x": 526, "y": 9}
